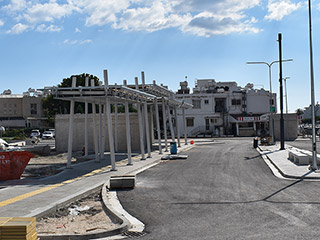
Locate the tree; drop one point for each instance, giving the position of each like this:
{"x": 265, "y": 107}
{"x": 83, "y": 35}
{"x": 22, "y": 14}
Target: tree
{"x": 299, "y": 111}
{"x": 52, "y": 107}
{"x": 67, "y": 82}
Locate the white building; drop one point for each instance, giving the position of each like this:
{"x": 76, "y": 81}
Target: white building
{"x": 224, "y": 108}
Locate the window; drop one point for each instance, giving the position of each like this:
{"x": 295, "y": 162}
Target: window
{"x": 33, "y": 108}
{"x": 236, "y": 101}
{"x": 190, "y": 122}
{"x": 206, "y": 101}
{"x": 196, "y": 103}
{"x": 272, "y": 102}
{"x": 214, "y": 120}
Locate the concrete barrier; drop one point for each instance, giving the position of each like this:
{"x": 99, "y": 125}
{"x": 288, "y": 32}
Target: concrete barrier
{"x": 125, "y": 181}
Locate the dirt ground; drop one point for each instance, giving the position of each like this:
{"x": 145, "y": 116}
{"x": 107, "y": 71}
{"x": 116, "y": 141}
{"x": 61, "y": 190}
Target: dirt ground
{"x": 81, "y": 217}
{"x": 43, "y": 166}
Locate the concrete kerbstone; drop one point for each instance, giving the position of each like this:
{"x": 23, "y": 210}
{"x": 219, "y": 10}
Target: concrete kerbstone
{"x": 125, "y": 224}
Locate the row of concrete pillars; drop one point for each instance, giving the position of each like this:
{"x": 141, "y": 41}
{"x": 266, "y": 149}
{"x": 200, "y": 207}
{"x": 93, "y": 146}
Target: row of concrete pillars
{"x": 105, "y": 119}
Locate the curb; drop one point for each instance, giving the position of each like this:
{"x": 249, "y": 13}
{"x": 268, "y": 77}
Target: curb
{"x": 289, "y": 177}
{"x": 125, "y": 225}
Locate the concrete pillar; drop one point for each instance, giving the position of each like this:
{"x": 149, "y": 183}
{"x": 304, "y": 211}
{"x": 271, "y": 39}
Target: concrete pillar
{"x": 170, "y": 124}
{"x": 109, "y": 119}
{"x": 158, "y": 126}
{"x": 126, "y": 107}
{"x": 164, "y": 120}
{"x": 95, "y": 134}
{"x": 147, "y": 129}
{"x": 86, "y": 131}
{"x": 100, "y": 132}
{"x": 128, "y": 133}
{"x": 140, "y": 125}
{"x": 177, "y": 126}
{"x": 70, "y": 133}
{"x": 184, "y": 127}
{"x": 110, "y": 131}
{"x": 103, "y": 130}
{"x": 237, "y": 129}
{"x": 254, "y": 126}
{"x": 116, "y": 127}
{"x": 151, "y": 124}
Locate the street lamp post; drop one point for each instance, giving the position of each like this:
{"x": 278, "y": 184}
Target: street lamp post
{"x": 313, "y": 118}
{"x": 271, "y": 110}
{"x": 287, "y": 118}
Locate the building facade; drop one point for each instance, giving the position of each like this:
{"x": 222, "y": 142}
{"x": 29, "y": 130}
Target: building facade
{"x": 21, "y": 110}
{"x": 224, "y": 108}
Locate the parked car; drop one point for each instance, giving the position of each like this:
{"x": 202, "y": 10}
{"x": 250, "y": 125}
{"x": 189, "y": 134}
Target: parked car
{"x": 47, "y": 135}
{"x": 53, "y": 131}
{"x": 35, "y": 133}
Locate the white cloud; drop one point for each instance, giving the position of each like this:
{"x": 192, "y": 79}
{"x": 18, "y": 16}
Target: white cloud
{"x": 15, "y": 5}
{"x": 101, "y": 12}
{"x": 279, "y": 9}
{"x": 80, "y": 42}
{"x": 48, "y": 12}
{"x": 198, "y": 17}
{"x": 149, "y": 19}
{"x": 85, "y": 41}
{"x": 18, "y": 28}
{"x": 1, "y": 23}
{"x": 51, "y": 28}
{"x": 207, "y": 24}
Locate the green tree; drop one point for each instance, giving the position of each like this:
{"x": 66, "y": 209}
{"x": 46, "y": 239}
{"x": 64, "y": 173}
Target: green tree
{"x": 67, "y": 82}
{"x": 52, "y": 107}
{"x": 299, "y": 111}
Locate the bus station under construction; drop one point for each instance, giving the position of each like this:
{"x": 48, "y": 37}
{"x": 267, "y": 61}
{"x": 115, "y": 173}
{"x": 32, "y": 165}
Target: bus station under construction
{"x": 106, "y": 131}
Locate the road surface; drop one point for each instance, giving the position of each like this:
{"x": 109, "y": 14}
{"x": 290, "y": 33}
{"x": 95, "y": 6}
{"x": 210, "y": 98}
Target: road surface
{"x": 223, "y": 190}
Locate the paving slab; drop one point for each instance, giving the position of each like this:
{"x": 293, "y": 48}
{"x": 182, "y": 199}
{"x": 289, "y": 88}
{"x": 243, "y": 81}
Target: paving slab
{"x": 38, "y": 197}
{"x": 287, "y": 168}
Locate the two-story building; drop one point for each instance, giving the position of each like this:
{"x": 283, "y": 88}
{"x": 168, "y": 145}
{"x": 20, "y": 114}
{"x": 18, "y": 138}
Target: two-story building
{"x": 21, "y": 110}
{"x": 224, "y": 108}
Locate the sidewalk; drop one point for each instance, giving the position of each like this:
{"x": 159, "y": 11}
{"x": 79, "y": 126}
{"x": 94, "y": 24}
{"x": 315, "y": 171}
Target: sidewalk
{"x": 38, "y": 197}
{"x": 278, "y": 161}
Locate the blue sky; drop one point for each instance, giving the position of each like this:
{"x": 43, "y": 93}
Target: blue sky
{"x": 44, "y": 41}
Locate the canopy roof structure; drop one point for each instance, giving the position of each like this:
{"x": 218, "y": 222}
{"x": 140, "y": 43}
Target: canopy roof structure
{"x": 104, "y": 95}
{"x": 119, "y": 94}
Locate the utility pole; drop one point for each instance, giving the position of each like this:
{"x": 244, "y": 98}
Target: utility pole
{"x": 287, "y": 117}
{"x": 314, "y": 145}
{"x": 281, "y": 95}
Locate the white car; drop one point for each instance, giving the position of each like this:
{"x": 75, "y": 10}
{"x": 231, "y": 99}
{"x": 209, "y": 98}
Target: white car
{"x": 53, "y": 131}
{"x": 47, "y": 135}
{"x": 35, "y": 133}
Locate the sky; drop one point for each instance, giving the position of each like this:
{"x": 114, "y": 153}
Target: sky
{"x": 44, "y": 41}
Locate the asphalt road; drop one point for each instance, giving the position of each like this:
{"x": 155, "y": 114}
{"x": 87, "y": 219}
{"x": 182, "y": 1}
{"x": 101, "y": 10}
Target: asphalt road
{"x": 223, "y": 191}
{"x": 304, "y": 143}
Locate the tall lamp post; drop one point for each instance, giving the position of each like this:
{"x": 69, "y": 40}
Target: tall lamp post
{"x": 313, "y": 118}
{"x": 287, "y": 118}
{"x": 271, "y": 110}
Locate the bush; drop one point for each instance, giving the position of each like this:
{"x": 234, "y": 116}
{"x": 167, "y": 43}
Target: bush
{"x": 16, "y": 134}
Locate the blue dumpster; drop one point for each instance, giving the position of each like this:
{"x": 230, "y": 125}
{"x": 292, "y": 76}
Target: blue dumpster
{"x": 173, "y": 147}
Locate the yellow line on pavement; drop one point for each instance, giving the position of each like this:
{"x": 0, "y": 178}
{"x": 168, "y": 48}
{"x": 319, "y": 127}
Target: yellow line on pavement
{"x": 30, "y": 194}
{"x": 44, "y": 189}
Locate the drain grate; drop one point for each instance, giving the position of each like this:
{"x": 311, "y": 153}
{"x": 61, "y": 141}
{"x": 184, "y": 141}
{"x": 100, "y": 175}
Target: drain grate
{"x": 131, "y": 234}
